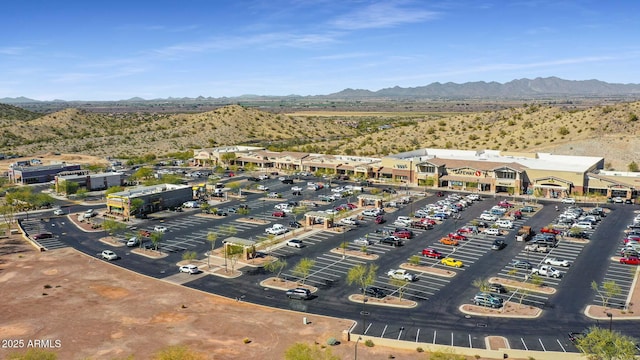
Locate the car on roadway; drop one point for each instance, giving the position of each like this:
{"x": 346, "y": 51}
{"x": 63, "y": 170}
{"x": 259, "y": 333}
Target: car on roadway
{"x": 348, "y": 221}
{"x": 632, "y": 260}
{"x": 568, "y": 200}
{"x": 296, "y": 243}
{"x": 298, "y": 293}
{"x": 108, "y": 255}
{"x": 521, "y": 264}
{"x": 189, "y": 269}
{"x": 449, "y": 261}
{"x": 448, "y": 241}
{"x": 44, "y": 235}
{"x": 58, "y": 212}
{"x": 498, "y": 244}
{"x": 401, "y": 274}
{"x": 160, "y": 229}
{"x": 295, "y": 225}
{"x": 372, "y": 212}
{"x": 557, "y": 262}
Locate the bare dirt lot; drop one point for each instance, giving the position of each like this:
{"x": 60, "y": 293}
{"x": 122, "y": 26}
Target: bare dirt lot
{"x": 100, "y": 311}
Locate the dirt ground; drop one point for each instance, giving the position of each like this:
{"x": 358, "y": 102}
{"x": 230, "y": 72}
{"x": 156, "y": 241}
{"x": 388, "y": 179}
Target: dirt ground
{"x": 100, "y": 311}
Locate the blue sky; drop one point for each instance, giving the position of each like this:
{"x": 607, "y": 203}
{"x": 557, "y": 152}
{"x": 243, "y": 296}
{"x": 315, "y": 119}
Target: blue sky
{"x": 111, "y": 50}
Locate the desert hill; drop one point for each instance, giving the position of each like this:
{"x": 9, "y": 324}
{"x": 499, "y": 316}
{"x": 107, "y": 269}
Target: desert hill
{"x": 608, "y": 130}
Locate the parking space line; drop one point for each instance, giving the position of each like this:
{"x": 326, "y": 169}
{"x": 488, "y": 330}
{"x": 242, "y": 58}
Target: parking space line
{"x": 561, "y": 347}
{"x": 434, "y": 336}
{"x": 417, "y": 335}
{"x": 383, "y": 331}
{"x": 541, "y": 344}
{"x": 524, "y": 344}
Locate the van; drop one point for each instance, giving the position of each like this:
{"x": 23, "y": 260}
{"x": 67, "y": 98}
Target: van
{"x": 299, "y": 293}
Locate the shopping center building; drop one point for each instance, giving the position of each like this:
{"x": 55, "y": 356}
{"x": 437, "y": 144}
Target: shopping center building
{"x": 492, "y": 171}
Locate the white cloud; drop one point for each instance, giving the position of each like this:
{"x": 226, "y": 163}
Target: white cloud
{"x": 382, "y": 15}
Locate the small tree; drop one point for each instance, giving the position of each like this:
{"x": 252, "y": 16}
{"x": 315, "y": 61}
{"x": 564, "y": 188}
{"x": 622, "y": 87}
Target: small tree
{"x": 303, "y": 268}
{"x": 189, "y": 256}
{"x": 211, "y": 237}
{"x": 344, "y": 245}
{"x": 156, "y": 237}
{"x": 136, "y": 206}
{"x": 602, "y": 344}
{"x": 536, "y": 280}
{"x": 633, "y": 166}
{"x": 608, "y": 290}
{"x": 276, "y": 267}
{"x": 400, "y": 284}
{"x": 523, "y": 294}
{"x": 414, "y": 260}
{"x": 481, "y": 284}
{"x": 362, "y": 275}
{"x": 234, "y": 254}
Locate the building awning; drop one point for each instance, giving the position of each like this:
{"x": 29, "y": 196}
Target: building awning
{"x": 553, "y": 187}
{"x": 466, "y": 179}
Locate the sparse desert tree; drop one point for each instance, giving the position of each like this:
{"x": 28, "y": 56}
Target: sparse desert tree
{"x": 156, "y": 238}
{"x": 608, "y": 290}
{"x": 399, "y": 284}
{"x": 481, "y": 284}
{"x": 276, "y": 267}
{"x": 602, "y": 344}
{"x": 303, "y": 268}
{"x": 189, "y": 256}
{"x": 211, "y": 237}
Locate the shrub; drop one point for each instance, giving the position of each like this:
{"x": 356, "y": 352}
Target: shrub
{"x": 246, "y": 340}
{"x": 419, "y": 349}
{"x": 332, "y": 341}
{"x": 369, "y": 343}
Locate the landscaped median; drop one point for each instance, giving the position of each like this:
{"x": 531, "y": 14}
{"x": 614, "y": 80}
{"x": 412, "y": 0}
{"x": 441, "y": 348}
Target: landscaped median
{"x": 428, "y": 270}
{"x": 391, "y": 301}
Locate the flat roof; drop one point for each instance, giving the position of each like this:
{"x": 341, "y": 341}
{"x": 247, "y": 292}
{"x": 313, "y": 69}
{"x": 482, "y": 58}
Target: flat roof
{"x": 539, "y": 161}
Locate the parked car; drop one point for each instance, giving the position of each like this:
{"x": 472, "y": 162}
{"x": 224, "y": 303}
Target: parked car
{"x": 488, "y": 217}
{"x": 295, "y": 243}
{"x": 492, "y": 231}
{"x": 160, "y": 229}
{"x": 449, "y": 261}
{"x": 263, "y": 187}
{"x": 379, "y": 219}
{"x": 557, "y": 262}
{"x": 448, "y": 241}
{"x": 109, "y": 255}
{"x": 403, "y": 234}
{"x": 362, "y": 241}
{"x": 391, "y": 240}
{"x": 497, "y": 288}
{"x": 279, "y": 213}
{"x": 375, "y": 292}
{"x": 189, "y": 269}
{"x": 298, "y": 293}
{"x": 134, "y": 241}
{"x": 487, "y": 299}
{"x": 295, "y": 224}
{"x": 527, "y": 209}
{"x": 456, "y": 236}
{"x": 44, "y": 235}
{"x": 432, "y": 253}
{"x": 401, "y": 274}
{"x": 630, "y": 260}
{"x": 521, "y": 264}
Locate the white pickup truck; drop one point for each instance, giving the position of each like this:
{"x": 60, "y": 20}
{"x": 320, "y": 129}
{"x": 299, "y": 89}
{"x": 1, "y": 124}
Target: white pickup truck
{"x": 401, "y": 274}
{"x": 547, "y": 270}
{"x": 543, "y": 248}
{"x": 277, "y": 229}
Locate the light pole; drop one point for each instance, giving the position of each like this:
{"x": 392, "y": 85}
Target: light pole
{"x": 355, "y": 355}
{"x": 610, "y": 316}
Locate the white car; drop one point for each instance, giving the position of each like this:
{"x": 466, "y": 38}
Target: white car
{"x": 362, "y": 242}
{"x": 618, "y": 200}
{"x": 583, "y": 225}
{"x": 189, "y": 269}
{"x": 492, "y": 231}
{"x": 134, "y": 241}
{"x": 557, "y": 262}
{"x": 401, "y": 274}
{"x": 58, "y": 212}
{"x": 160, "y": 229}
{"x": 296, "y": 188}
{"x": 295, "y": 243}
{"x": 348, "y": 221}
{"x": 568, "y": 201}
{"x": 488, "y": 217}
{"x": 371, "y": 212}
{"x": 263, "y": 187}
{"x": 109, "y": 255}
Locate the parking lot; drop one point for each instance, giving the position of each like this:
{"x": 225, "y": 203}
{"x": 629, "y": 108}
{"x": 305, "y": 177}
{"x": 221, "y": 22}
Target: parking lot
{"x": 438, "y": 296}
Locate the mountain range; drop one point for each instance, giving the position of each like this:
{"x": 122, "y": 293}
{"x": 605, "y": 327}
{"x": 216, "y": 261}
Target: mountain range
{"x": 550, "y": 87}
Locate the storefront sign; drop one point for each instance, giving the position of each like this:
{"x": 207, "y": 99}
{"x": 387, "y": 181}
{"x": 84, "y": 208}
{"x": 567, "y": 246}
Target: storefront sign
{"x": 504, "y": 183}
{"x": 466, "y": 172}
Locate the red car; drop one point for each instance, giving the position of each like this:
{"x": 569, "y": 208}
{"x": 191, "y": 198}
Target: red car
{"x": 352, "y": 206}
{"x": 432, "y": 253}
{"x": 379, "y": 219}
{"x": 428, "y": 221}
{"x": 630, "y": 261}
{"x": 517, "y": 214}
{"x": 505, "y": 204}
{"x": 467, "y": 230}
{"x": 403, "y": 234}
{"x": 456, "y": 236}
{"x": 550, "y": 231}
{"x": 144, "y": 233}
{"x": 279, "y": 214}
